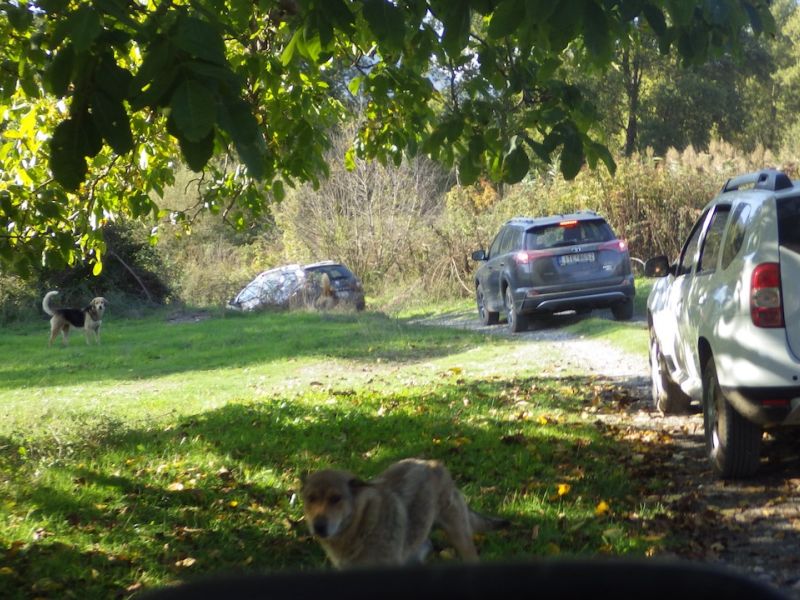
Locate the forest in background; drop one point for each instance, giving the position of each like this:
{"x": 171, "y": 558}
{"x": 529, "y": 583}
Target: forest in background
{"x": 676, "y": 135}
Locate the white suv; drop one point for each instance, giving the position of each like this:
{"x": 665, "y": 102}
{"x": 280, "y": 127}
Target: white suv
{"x": 724, "y": 319}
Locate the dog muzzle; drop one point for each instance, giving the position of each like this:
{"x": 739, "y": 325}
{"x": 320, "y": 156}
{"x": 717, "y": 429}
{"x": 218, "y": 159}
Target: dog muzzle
{"x": 320, "y": 528}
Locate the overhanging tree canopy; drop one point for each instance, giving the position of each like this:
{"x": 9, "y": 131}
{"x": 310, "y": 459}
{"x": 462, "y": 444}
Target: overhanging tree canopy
{"x": 100, "y": 98}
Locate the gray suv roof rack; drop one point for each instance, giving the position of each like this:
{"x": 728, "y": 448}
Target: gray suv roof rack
{"x": 768, "y": 179}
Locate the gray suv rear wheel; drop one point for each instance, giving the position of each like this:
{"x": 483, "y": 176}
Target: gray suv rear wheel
{"x": 516, "y": 322}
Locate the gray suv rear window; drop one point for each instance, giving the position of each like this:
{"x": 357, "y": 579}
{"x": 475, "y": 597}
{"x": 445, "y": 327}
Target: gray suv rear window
{"x": 580, "y": 232}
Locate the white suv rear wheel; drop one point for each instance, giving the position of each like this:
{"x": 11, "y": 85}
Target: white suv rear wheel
{"x": 733, "y": 443}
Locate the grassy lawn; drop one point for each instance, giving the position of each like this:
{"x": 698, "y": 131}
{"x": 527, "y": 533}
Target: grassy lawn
{"x": 174, "y": 449}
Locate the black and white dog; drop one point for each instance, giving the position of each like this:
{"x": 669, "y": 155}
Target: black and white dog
{"x": 89, "y": 318}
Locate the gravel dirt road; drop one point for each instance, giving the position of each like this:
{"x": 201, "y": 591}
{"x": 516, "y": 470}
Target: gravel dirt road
{"x": 751, "y": 526}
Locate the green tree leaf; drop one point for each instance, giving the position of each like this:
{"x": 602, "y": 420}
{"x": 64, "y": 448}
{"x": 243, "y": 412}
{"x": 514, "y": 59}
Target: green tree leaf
{"x": 20, "y": 17}
{"x": 515, "y": 165}
{"x": 67, "y": 161}
{"x": 84, "y": 27}
{"x": 468, "y": 171}
{"x": 456, "y": 18}
{"x": 596, "y": 34}
{"x": 354, "y": 85}
{"x": 386, "y": 22}
{"x": 194, "y": 110}
{"x": 563, "y": 24}
{"x": 289, "y": 51}
{"x": 113, "y": 79}
{"x": 236, "y": 118}
{"x": 200, "y": 39}
{"x": 571, "y": 152}
{"x": 506, "y": 18}
{"x": 112, "y": 122}
{"x": 197, "y": 153}
{"x": 340, "y": 15}
{"x": 655, "y": 18}
{"x": 59, "y": 73}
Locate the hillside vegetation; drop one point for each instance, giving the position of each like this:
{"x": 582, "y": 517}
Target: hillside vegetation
{"x": 407, "y": 231}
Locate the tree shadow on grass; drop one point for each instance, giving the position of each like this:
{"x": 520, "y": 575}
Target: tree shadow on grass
{"x": 49, "y": 569}
{"x": 217, "y": 491}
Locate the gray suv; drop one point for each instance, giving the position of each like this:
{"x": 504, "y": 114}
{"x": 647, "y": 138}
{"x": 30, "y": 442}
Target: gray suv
{"x": 540, "y": 266}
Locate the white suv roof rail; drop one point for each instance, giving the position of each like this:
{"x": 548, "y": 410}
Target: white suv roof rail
{"x": 767, "y": 179}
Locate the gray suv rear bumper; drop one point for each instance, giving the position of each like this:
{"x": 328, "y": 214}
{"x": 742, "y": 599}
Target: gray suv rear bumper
{"x": 592, "y": 298}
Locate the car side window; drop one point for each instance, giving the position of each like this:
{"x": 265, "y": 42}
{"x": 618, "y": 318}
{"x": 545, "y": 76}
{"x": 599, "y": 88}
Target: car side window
{"x": 712, "y": 243}
{"x": 736, "y": 232}
{"x": 509, "y": 240}
{"x": 494, "y": 249}
{"x": 689, "y": 252}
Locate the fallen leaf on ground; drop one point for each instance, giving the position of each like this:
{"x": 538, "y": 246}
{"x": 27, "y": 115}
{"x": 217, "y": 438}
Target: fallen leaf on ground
{"x": 602, "y": 508}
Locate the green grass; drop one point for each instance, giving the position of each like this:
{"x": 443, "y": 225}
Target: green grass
{"x": 628, "y": 335}
{"x": 174, "y": 450}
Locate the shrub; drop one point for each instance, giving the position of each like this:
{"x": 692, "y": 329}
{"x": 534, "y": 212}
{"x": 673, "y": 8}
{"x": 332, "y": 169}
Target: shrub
{"x": 18, "y": 299}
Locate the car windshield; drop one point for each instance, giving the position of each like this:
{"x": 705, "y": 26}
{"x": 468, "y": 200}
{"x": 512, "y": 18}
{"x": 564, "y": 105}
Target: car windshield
{"x": 568, "y": 233}
{"x": 333, "y": 271}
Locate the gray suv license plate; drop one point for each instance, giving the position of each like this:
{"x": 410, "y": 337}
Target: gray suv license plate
{"x": 572, "y": 259}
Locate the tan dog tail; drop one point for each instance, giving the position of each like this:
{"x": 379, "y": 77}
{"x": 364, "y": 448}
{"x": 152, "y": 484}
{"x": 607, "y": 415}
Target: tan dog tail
{"x": 46, "y": 303}
{"x": 480, "y": 523}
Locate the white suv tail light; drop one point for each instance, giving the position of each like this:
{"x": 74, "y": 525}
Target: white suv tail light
{"x": 765, "y": 296}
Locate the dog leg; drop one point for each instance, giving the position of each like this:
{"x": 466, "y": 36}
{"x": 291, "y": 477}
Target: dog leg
{"x": 454, "y": 519}
{"x": 422, "y": 553}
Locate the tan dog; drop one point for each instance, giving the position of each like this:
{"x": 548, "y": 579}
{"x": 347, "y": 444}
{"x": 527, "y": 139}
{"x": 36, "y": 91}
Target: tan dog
{"x": 387, "y": 521}
{"x": 89, "y": 318}
{"x": 327, "y": 296}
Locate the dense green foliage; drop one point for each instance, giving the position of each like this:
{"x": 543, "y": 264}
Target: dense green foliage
{"x": 648, "y": 100}
{"x": 99, "y": 98}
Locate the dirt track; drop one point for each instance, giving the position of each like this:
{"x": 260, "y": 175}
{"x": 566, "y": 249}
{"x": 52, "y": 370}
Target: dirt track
{"x": 750, "y": 526}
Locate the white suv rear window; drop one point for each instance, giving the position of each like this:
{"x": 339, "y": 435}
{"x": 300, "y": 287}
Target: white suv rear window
{"x": 789, "y": 223}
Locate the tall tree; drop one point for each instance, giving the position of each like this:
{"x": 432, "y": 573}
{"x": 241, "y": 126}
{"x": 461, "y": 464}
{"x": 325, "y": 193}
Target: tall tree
{"x": 785, "y": 81}
{"x": 100, "y": 97}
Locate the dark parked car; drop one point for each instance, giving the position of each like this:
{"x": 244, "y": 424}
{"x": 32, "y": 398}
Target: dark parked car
{"x": 346, "y": 287}
{"x": 292, "y": 286}
{"x": 540, "y": 266}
